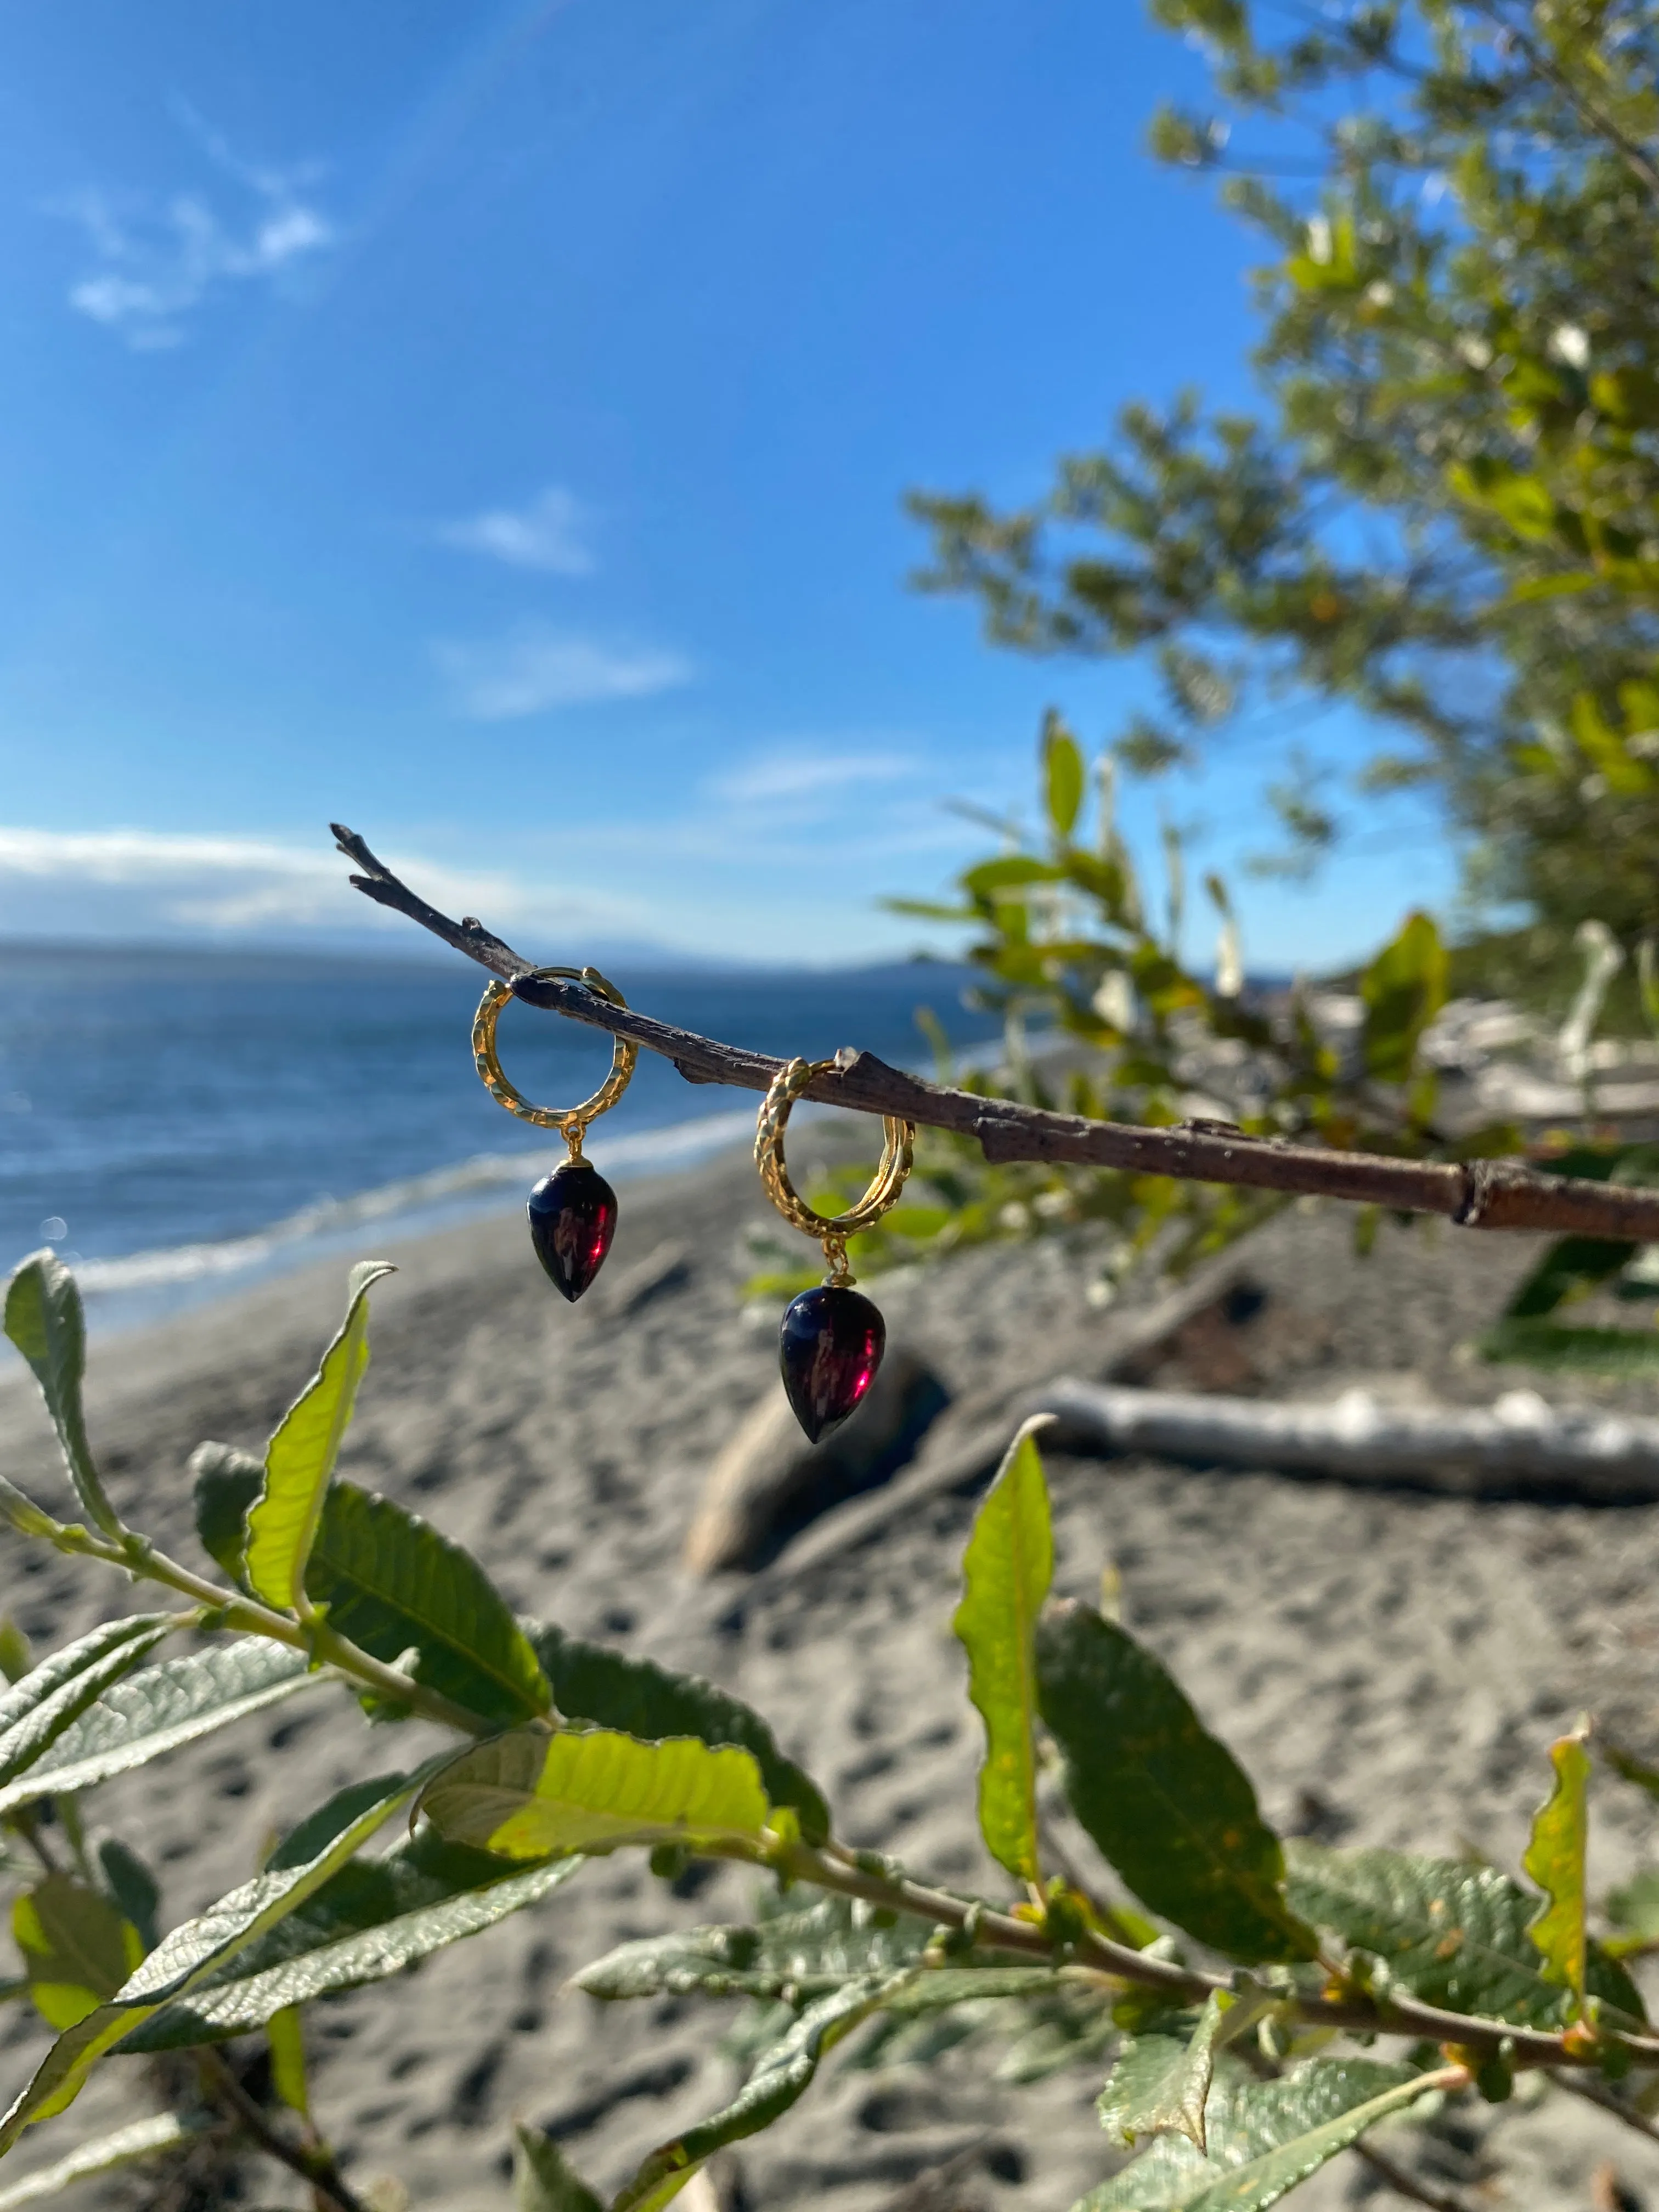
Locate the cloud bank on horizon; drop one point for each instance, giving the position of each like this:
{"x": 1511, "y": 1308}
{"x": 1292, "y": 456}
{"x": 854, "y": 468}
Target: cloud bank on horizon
{"x": 138, "y": 886}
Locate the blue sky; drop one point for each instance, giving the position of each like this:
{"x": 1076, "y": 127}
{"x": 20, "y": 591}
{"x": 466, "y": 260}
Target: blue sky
{"x": 488, "y": 425}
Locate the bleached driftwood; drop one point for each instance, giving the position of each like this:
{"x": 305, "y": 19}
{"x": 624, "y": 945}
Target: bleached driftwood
{"x": 969, "y": 1437}
{"x": 1518, "y": 1446}
{"x": 768, "y": 1476}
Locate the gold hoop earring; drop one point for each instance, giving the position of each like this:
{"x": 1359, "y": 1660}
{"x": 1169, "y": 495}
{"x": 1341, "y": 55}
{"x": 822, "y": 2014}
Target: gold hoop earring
{"x": 832, "y": 1338}
{"x": 573, "y": 1212}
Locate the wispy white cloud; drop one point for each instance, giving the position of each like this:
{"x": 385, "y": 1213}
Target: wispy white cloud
{"x": 876, "y": 798}
{"x": 134, "y": 884}
{"x": 813, "y": 771}
{"x": 548, "y": 534}
{"x": 153, "y": 261}
{"x": 534, "y": 670}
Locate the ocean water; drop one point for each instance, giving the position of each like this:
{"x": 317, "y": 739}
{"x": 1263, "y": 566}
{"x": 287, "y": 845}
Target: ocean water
{"x": 177, "y": 1124}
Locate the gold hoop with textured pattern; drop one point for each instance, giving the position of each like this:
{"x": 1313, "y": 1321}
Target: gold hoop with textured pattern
{"x": 832, "y": 1230}
{"x": 572, "y": 1121}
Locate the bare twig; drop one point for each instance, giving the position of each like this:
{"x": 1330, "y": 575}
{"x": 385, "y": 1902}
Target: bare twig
{"x": 1476, "y": 1195}
{"x": 1596, "y": 2092}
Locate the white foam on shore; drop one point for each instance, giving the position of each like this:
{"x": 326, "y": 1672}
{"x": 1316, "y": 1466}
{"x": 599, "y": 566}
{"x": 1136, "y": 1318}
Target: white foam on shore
{"x": 140, "y": 1287}
{"x": 643, "y": 1151}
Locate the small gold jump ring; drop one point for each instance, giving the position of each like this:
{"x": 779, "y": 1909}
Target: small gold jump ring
{"x": 898, "y": 1152}
{"x": 572, "y": 1121}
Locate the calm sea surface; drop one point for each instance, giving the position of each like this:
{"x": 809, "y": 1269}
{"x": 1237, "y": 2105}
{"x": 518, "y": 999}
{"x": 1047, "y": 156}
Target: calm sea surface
{"x": 180, "y": 1123}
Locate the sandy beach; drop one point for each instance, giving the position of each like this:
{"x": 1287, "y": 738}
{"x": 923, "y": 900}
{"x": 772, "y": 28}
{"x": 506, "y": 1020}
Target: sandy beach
{"x": 1389, "y": 1665}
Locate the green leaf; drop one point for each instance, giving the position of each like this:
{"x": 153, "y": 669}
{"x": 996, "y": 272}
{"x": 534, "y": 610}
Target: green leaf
{"x": 24, "y": 1514}
{"x": 159, "y": 1708}
{"x": 541, "y": 2180}
{"x": 36, "y": 1711}
{"x": 530, "y": 1794}
{"x": 1627, "y": 1763}
{"x": 1264, "y": 2138}
{"x": 1552, "y": 587}
{"x": 144, "y": 2139}
{"x": 132, "y": 1887}
{"x": 815, "y": 1951}
{"x": 1161, "y": 2084}
{"x": 44, "y": 1320}
{"x": 197, "y": 1948}
{"x": 1166, "y": 1803}
{"x": 77, "y": 1949}
{"x": 1446, "y": 1930}
{"x": 226, "y": 1484}
{"x": 1011, "y": 872}
{"x": 1555, "y": 1860}
{"x": 282, "y": 1524}
{"x": 1063, "y": 775}
{"x": 637, "y": 1697}
{"x": 391, "y": 1583}
{"x": 779, "y": 2078}
{"x": 1634, "y": 1907}
{"x": 1571, "y": 1266}
{"x": 1403, "y": 989}
{"x": 1607, "y": 748}
{"x": 372, "y": 1919}
{"x": 15, "y": 1657}
{"x": 1007, "y": 1568}
{"x": 928, "y": 910}
{"x": 1560, "y": 1349}
{"x": 285, "y": 2035}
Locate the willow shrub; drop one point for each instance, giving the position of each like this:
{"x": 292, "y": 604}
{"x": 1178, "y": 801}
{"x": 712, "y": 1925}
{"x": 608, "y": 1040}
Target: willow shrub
{"x": 1068, "y": 943}
{"x": 1253, "y": 2008}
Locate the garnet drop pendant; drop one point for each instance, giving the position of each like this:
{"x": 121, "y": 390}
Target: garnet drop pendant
{"x": 573, "y": 1219}
{"x": 573, "y": 1212}
{"x": 830, "y": 1347}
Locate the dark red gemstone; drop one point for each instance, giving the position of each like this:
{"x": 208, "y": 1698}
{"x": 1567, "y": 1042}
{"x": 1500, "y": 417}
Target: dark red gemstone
{"x": 573, "y": 1219}
{"x": 829, "y": 1347}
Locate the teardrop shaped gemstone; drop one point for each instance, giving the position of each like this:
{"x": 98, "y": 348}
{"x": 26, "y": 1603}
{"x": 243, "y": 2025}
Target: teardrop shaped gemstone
{"x": 573, "y": 1219}
{"x": 828, "y": 1348}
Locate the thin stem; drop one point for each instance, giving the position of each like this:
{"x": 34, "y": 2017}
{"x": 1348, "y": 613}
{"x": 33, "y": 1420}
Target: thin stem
{"x": 1476, "y": 1194}
{"x": 316, "y": 2169}
{"x": 317, "y": 1639}
{"x": 850, "y": 1875}
{"x": 27, "y": 1820}
{"x": 1596, "y": 2092}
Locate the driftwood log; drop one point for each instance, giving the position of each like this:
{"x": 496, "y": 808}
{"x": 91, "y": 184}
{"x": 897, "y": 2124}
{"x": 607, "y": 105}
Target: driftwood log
{"x": 767, "y": 1482}
{"x": 1517, "y": 1447}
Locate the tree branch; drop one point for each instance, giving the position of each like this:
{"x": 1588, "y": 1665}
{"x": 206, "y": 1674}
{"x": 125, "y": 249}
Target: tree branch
{"x": 1476, "y": 1194}
{"x": 1595, "y": 119}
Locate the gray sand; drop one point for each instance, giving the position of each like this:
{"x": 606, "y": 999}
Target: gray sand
{"x": 1390, "y": 1667}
